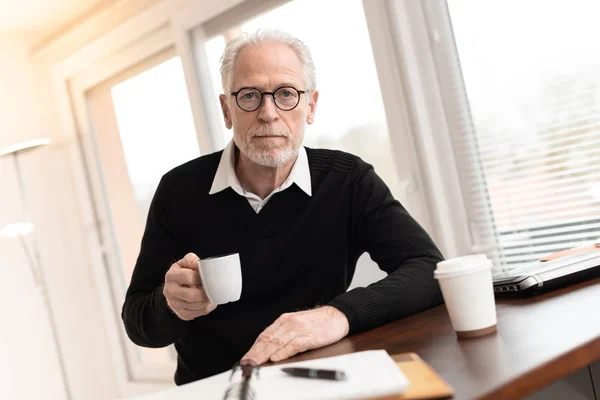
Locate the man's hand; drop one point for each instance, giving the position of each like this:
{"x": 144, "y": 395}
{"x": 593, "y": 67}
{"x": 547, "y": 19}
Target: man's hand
{"x": 183, "y": 289}
{"x": 296, "y": 332}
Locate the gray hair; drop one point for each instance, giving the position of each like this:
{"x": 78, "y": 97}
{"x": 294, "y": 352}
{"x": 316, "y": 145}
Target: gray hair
{"x": 234, "y": 47}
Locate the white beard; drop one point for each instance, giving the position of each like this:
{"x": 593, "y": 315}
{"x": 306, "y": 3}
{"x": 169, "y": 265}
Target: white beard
{"x": 266, "y": 152}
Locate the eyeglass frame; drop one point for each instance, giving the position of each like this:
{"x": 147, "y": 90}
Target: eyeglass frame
{"x": 262, "y": 96}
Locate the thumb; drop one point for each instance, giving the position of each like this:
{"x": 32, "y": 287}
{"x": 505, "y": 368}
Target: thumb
{"x": 190, "y": 261}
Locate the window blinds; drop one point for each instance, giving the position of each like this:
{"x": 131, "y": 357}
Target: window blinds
{"x": 521, "y": 89}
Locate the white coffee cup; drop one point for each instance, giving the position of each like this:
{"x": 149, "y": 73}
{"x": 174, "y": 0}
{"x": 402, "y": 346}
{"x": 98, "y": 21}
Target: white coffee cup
{"x": 221, "y": 278}
{"x": 468, "y": 290}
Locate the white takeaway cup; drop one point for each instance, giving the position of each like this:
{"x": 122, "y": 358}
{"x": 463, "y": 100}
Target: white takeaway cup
{"x": 221, "y": 278}
{"x": 468, "y": 290}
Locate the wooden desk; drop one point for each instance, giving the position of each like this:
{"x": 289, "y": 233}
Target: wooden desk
{"x": 539, "y": 340}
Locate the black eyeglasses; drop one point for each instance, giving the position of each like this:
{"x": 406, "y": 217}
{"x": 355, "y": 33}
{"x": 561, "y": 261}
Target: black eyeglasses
{"x": 249, "y": 99}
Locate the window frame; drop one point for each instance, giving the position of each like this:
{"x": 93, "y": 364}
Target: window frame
{"x": 405, "y": 47}
{"x": 453, "y": 95}
{"x": 103, "y": 245}
{"x": 441, "y": 44}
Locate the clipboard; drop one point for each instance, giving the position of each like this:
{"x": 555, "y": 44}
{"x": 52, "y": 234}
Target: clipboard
{"x": 425, "y": 383}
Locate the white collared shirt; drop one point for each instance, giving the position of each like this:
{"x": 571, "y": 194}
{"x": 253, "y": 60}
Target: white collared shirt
{"x": 225, "y": 177}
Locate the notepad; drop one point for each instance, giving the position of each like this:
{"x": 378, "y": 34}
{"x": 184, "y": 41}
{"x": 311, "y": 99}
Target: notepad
{"x": 371, "y": 374}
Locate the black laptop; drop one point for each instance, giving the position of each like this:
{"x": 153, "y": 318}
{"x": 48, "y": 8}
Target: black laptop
{"x": 542, "y": 276}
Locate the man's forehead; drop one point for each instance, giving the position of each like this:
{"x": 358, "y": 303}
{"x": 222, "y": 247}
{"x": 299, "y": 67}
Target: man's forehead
{"x": 268, "y": 64}
{"x": 268, "y": 82}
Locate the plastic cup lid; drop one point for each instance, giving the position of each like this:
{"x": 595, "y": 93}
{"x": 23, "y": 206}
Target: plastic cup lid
{"x": 463, "y": 264}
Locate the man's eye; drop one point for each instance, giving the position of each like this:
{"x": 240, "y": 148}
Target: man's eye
{"x": 286, "y": 93}
{"x": 248, "y": 96}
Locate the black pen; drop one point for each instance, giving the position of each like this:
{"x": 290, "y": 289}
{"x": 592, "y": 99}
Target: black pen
{"x": 331, "y": 374}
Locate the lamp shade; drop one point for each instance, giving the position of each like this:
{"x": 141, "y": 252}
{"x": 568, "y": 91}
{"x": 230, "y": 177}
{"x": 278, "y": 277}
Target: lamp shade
{"x": 16, "y": 229}
{"x": 23, "y": 228}
{"x": 23, "y": 147}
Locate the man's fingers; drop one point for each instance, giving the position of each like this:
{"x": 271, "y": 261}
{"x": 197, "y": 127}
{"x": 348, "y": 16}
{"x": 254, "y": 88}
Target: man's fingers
{"x": 185, "y": 315}
{"x": 188, "y": 294}
{"x": 183, "y": 289}
{"x": 268, "y": 343}
{"x": 271, "y": 330}
{"x": 256, "y": 351}
{"x": 191, "y": 295}
{"x": 188, "y": 312}
{"x": 211, "y": 307}
{"x": 183, "y": 276}
{"x": 190, "y": 261}
{"x": 298, "y": 345}
{"x": 275, "y": 344}
{"x": 182, "y": 305}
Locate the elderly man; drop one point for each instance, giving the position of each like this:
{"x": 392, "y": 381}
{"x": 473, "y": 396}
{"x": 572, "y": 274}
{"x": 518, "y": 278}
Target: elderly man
{"x": 299, "y": 218}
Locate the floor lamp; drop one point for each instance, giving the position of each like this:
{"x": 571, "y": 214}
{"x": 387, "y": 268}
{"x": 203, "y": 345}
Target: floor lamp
{"x": 24, "y": 230}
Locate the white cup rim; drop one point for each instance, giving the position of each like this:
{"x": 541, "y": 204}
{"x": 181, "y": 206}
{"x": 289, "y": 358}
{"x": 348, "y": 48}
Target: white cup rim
{"x": 449, "y": 274}
{"x": 217, "y": 256}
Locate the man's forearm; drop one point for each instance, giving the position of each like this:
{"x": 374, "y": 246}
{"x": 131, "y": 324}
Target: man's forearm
{"x": 148, "y": 320}
{"x": 408, "y": 290}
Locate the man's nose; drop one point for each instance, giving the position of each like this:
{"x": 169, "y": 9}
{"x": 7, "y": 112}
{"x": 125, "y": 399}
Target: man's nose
{"x": 268, "y": 110}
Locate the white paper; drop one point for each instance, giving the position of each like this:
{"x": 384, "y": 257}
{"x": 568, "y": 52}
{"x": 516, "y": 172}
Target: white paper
{"x": 369, "y": 374}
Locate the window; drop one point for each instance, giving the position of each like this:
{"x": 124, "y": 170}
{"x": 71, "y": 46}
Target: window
{"x": 157, "y": 134}
{"x": 143, "y": 127}
{"x": 525, "y": 95}
{"x": 144, "y": 121}
{"x": 345, "y": 70}
{"x": 350, "y": 113}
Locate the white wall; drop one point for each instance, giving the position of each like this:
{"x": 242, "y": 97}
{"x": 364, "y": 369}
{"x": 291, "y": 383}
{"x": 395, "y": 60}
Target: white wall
{"x": 28, "y": 360}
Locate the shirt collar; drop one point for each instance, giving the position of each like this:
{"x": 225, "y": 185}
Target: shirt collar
{"x": 225, "y": 176}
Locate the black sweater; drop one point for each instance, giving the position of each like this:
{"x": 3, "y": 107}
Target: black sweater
{"x": 297, "y": 253}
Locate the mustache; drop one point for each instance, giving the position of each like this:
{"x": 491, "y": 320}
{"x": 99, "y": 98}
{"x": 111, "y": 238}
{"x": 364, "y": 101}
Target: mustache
{"x": 268, "y": 131}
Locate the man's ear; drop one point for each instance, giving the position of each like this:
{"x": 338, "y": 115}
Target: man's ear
{"x": 226, "y": 111}
{"x": 313, "y": 96}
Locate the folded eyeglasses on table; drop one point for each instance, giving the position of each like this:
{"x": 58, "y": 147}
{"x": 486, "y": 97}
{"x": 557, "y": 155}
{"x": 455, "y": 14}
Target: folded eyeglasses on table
{"x": 243, "y": 381}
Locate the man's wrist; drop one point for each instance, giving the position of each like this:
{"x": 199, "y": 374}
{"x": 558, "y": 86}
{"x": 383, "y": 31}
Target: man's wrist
{"x": 339, "y": 319}
{"x": 163, "y": 313}
{"x": 361, "y": 309}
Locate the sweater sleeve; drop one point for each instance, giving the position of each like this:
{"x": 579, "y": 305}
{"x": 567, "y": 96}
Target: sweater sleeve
{"x": 400, "y": 247}
{"x": 148, "y": 320}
